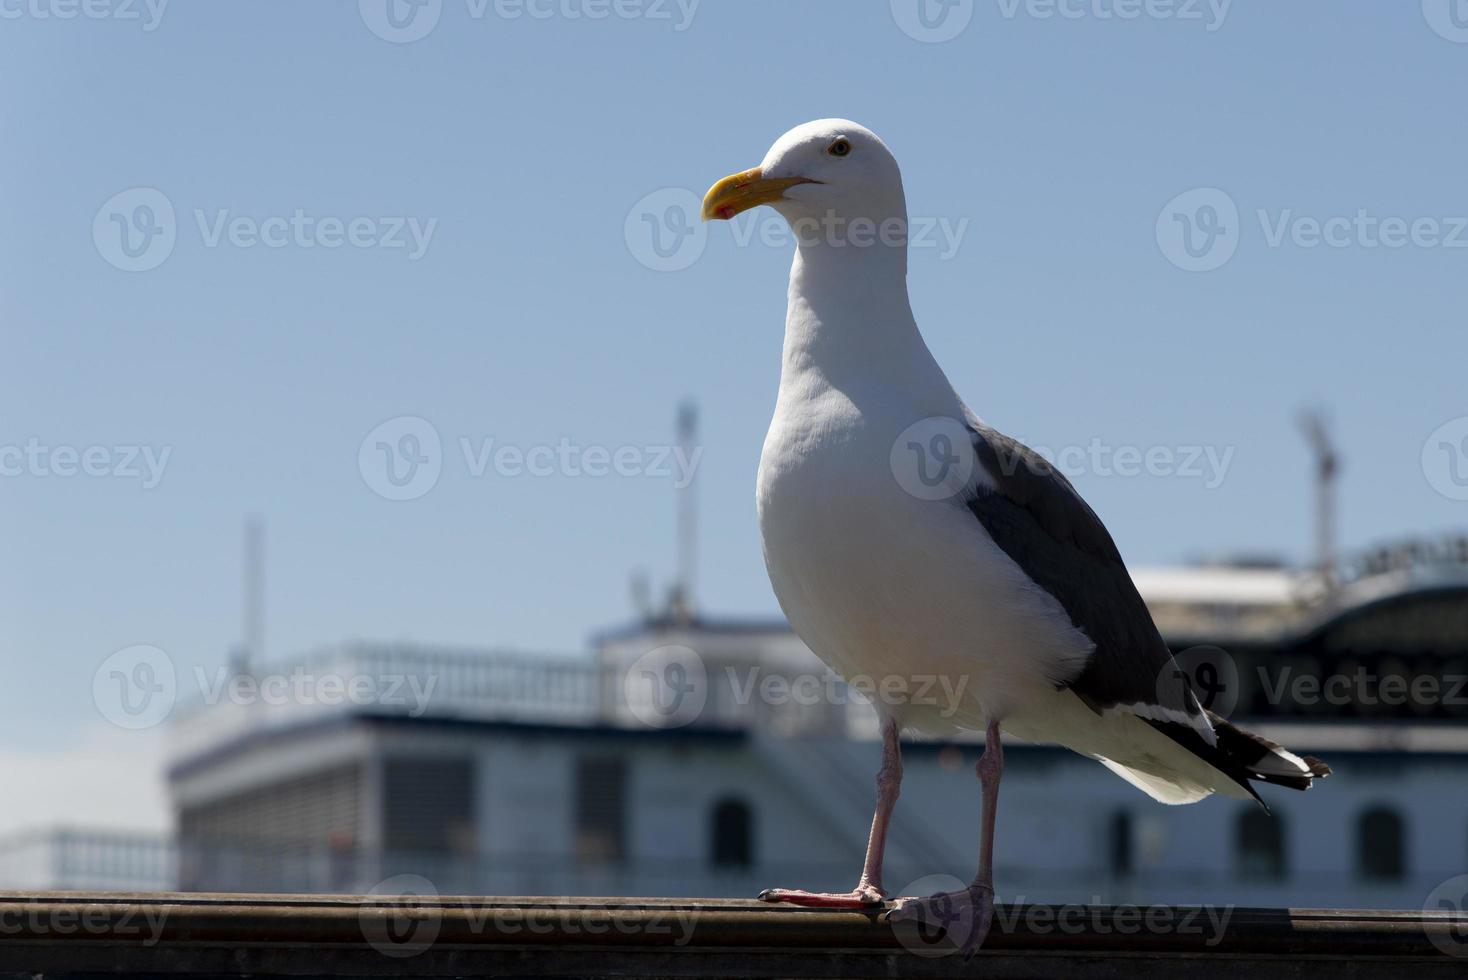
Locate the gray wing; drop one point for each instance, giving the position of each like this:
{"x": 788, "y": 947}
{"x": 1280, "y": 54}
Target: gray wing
{"x": 1034, "y": 514}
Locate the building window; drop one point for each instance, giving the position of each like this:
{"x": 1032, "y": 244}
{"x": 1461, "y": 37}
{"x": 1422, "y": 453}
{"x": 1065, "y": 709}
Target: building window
{"x": 733, "y": 834}
{"x": 1380, "y": 847}
{"x": 1259, "y": 843}
{"x": 601, "y": 809}
{"x": 1122, "y": 860}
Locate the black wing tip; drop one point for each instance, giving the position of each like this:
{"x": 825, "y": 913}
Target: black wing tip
{"x": 1238, "y": 753}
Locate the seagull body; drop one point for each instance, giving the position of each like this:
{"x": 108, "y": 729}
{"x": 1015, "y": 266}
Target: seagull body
{"x": 908, "y": 542}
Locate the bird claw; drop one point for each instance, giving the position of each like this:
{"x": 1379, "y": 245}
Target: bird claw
{"x": 960, "y": 918}
{"x": 862, "y": 896}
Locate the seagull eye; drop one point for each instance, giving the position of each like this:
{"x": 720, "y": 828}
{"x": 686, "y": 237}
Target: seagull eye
{"x": 840, "y": 148}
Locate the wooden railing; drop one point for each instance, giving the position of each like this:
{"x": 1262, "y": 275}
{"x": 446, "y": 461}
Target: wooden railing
{"x": 173, "y": 935}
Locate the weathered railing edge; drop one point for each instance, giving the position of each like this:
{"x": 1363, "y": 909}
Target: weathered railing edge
{"x": 408, "y": 925}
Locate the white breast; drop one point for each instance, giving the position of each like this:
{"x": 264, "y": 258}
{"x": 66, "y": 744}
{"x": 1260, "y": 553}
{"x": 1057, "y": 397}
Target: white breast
{"x": 890, "y": 589}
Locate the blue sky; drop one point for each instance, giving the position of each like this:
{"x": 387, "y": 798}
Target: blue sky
{"x": 522, "y": 148}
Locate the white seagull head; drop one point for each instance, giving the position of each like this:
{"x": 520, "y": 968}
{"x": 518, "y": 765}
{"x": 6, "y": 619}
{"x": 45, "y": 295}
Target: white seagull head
{"x": 823, "y": 174}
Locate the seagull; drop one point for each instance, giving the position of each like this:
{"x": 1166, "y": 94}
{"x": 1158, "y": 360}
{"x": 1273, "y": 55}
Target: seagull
{"x": 908, "y": 542}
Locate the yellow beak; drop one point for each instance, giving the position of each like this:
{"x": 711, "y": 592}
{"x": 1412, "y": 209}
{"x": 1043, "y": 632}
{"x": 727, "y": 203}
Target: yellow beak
{"x": 742, "y": 191}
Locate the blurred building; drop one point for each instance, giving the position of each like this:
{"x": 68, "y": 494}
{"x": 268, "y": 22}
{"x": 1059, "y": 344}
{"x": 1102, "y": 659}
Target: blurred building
{"x": 696, "y": 756}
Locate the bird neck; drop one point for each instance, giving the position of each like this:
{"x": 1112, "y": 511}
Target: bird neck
{"x": 849, "y": 323}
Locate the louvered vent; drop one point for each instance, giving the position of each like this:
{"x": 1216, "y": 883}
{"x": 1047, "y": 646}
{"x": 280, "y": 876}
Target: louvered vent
{"x": 428, "y": 805}
{"x": 317, "y": 810}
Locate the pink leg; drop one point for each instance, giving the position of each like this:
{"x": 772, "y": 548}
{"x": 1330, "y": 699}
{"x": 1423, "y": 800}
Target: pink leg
{"x": 967, "y": 914}
{"x": 868, "y": 890}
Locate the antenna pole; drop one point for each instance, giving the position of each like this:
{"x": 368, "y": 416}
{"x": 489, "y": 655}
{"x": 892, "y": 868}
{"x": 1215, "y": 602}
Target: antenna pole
{"x": 687, "y": 514}
{"x": 1327, "y": 469}
{"x": 254, "y": 593}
